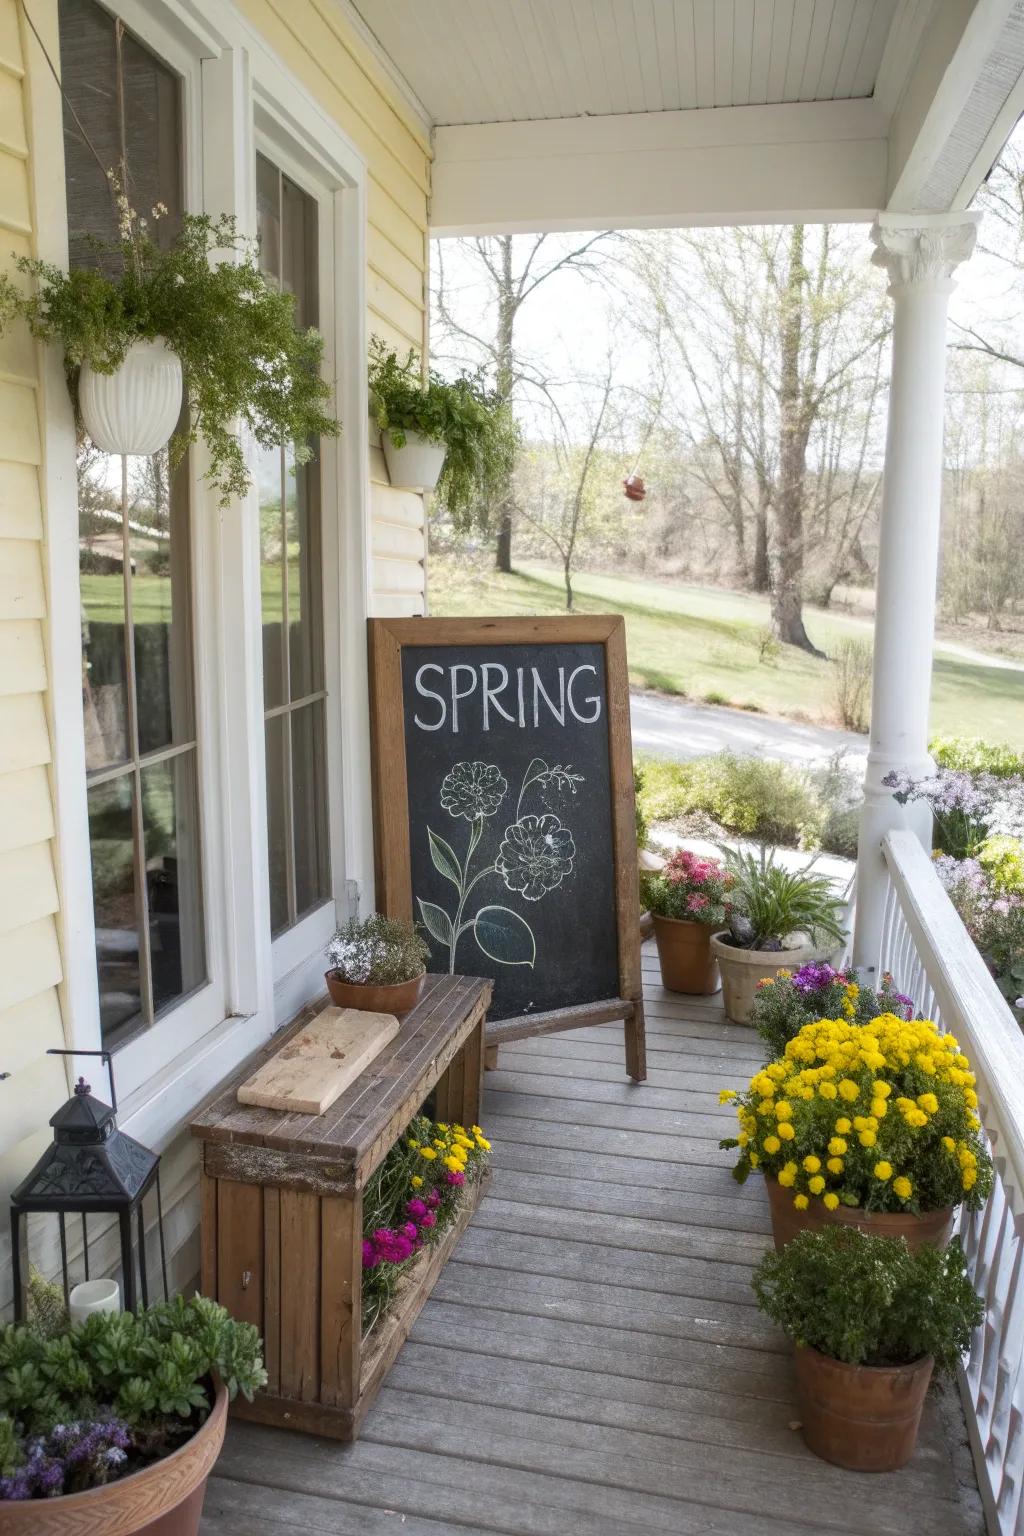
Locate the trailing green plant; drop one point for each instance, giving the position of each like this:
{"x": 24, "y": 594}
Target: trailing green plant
{"x": 474, "y": 424}
{"x": 870, "y": 1300}
{"x": 769, "y": 902}
{"x": 242, "y": 358}
{"x": 377, "y": 951}
{"x": 134, "y": 1385}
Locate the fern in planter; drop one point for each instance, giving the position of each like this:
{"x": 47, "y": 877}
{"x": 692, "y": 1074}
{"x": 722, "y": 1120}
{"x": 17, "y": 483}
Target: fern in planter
{"x": 475, "y": 426}
{"x": 242, "y": 357}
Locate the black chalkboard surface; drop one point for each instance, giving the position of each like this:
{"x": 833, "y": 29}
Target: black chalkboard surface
{"x": 504, "y": 811}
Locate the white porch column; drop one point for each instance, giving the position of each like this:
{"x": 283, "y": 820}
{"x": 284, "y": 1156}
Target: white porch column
{"x": 919, "y": 252}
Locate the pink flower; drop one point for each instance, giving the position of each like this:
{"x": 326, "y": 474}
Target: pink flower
{"x": 433, "y": 1199}
{"x": 371, "y": 1258}
{"x": 696, "y": 902}
{"x": 416, "y": 1209}
{"x": 429, "y": 1220}
{"x": 455, "y": 1178}
{"x": 411, "y": 1231}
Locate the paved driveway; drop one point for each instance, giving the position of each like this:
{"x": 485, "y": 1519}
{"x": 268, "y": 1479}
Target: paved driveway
{"x": 666, "y": 727}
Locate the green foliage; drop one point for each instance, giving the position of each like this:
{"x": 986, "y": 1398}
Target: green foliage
{"x": 852, "y": 662}
{"x": 971, "y": 754}
{"x": 642, "y": 829}
{"x": 10, "y": 1447}
{"x": 775, "y": 901}
{"x": 147, "y": 1369}
{"x": 46, "y": 1309}
{"x": 1002, "y": 859}
{"x": 475, "y": 426}
{"x": 780, "y": 1010}
{"x": 242, "y": 357}
{"x": 757, "y": 797}
{"x": 377, "y": 951}
{"x": 839, "y": 794}
{"x": 870, "y": 1300}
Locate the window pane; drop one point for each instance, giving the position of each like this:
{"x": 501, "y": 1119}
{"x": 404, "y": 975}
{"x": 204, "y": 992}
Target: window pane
{"x": 159, "y": 567}
{"x": 277, "y": 821}
{"x": 101, "y": 567}
{"x": 170, "y": 815}
{"x": 298, "y": 227}
{"x": 272, "y": 576}
{"x": 115, "y": 906}
{"x": 305, "y": 598}
{"x": 309, "y": 777}
{"x": 268, "y": 217}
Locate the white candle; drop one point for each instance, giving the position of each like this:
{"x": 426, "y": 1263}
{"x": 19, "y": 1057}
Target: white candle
{"x": 93, "y": 1296}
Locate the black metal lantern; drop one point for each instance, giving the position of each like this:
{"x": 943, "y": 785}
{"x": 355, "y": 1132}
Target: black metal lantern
{"x": 91, "y": 1168}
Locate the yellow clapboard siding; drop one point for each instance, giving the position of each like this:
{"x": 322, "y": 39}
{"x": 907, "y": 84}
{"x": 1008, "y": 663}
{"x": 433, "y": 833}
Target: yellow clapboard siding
{"x": 22, "y": 657}
{"x": 29, "y": 1028}
{"x": 28, "y": 889}
{"x": 290, "y": 43}
{"x": 19, "y": 424}
{"x": 12, "y": 116}
{"x": 26, "y": 808}
{"x": 384, "y": 213}
{"x": 15, "y": 207}
{"x": 391, "y": 504}
{"x": 22, "y": 595}
{"x": 21, "y": 514}
{"x": 396, "y": 542}
{"x": 29, "y": 961}
{"x": 10, "y": 38}
{"x": 24, "y": 737}
{"x": 397, "y": 576}
{"x": 30, "y": 1096}
{"x": 393, "y": 335}
{"x": 384, "y": 258}
{"x": 384, "y": 299}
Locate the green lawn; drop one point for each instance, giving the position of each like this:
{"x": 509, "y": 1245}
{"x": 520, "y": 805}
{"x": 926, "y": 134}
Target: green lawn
{"x": 703, "y": 642}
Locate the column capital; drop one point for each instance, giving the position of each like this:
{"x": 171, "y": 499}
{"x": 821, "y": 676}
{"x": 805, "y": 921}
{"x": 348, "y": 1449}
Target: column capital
{"x": 918, "y": 249}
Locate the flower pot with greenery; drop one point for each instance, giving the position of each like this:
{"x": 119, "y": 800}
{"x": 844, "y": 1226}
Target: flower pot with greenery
{"x": 785, "y": 1002}
{"x": 111, "y": 1427}
{"x": 192, "y": 313}
{"x": 870, "y": 1320}
{"x": 453, "y": 437}
{"x": 777, "y": 917}
{"x": 376, "y": 964}
{"x": 866, "y": 1125}
{"x": 687, "y": 901}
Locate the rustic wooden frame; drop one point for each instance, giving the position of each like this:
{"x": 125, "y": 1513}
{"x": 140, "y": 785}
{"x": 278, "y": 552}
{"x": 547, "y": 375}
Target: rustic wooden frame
{"x": 392, "y": 859}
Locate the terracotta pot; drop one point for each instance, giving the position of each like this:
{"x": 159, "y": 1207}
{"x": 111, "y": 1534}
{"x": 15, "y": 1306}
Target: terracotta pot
{"x": 684, "y": 953}
{"x": 935, "y": 1227}
{"x": 742, "y": 969}
{"x": 863, "y": 1417}
{"x": 399, "y": 997}
{"x": 136, "y": 408}
{"x": 165, "y": 1499}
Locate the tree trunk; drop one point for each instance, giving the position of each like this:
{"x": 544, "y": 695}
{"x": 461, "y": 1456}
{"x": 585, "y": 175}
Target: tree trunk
{"x": 567, "y": 572}
{"x": 760, "y": 578}
{"x": 504, "y": 383}
{"x": 787, "y": 560}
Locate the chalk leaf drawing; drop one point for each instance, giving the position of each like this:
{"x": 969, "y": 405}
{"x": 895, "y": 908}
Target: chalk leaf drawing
{"x": 535, "y": 854}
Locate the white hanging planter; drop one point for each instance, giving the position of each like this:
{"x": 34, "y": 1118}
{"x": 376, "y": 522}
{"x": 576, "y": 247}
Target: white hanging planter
{"x": 136, "y": 408}
{"x": 417, "y": 465}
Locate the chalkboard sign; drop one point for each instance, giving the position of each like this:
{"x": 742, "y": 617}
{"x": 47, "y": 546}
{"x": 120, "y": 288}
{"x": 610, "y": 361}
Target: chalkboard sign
{"x": 504, "y": 817}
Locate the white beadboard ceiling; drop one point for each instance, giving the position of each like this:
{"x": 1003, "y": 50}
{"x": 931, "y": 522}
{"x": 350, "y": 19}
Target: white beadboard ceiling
{"x": 486, "y": 61}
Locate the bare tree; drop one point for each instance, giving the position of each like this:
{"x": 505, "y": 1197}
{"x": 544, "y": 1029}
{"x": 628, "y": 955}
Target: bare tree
{"x": 512, "y": 268}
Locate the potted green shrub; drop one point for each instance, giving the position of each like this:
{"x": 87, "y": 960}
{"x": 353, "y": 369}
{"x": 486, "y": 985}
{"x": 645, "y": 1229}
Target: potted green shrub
{"x": 870, "y": 1125}
{"x": 377, "y": 964}
{"x": 777, "y": 917}
{"x": 113, "y": 1426}
{"x": 687, "y": 901}
{"x": 870, "y": 1320}
{"x": 167, "y": 322}
{"x": 453, "y": 437}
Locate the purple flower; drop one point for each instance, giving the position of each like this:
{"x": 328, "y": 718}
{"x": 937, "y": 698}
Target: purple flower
{"x": 433, "y": 1199}
{"x": 371, "y": 1257}
{"x": 416, "y": 1209}
{"x": 815, "y": 977}
{"x": 411, "y": 1231}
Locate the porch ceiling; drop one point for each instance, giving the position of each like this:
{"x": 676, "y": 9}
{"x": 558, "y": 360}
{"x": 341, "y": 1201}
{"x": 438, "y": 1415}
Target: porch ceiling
{"x": 585, "y": 114}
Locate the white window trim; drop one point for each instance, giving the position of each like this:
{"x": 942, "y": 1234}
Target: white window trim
{"x": 242, "y": 84}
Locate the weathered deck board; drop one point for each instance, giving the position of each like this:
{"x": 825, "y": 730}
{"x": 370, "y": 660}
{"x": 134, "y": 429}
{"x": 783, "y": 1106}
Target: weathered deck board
{"x": 591, "y": 1362}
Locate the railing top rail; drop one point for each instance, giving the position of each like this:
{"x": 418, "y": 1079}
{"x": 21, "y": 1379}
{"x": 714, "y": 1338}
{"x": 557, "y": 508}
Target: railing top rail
{"x": 973, "y": 1007}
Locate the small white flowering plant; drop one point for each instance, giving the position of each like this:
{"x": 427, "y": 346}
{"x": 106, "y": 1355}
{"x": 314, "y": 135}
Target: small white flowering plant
{"x": 377, "y": 951}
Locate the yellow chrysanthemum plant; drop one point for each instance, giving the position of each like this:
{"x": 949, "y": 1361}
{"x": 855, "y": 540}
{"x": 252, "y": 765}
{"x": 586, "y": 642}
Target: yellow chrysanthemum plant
{"x": 880, "y": 1116}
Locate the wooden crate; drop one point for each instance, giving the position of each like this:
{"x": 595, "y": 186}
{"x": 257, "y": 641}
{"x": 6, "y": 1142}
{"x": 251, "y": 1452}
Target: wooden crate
{"x": 282, "y": 1211}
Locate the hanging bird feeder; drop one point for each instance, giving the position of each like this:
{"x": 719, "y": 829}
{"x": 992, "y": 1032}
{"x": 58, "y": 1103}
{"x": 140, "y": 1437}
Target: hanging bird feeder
{"x": 634, "y": 487}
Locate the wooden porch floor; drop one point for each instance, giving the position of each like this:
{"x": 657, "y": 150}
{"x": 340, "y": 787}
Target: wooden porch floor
{"x": 591, "y": 1362}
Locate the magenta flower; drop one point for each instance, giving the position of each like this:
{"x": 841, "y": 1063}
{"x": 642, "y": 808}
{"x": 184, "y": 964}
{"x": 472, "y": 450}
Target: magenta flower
{"x": 411, "y": 1231}
{"x": 455, "y": 1178}
{"x": 416, "y": 1209}
{"x": 429, "y": 1220}
{"x": 371, "y": 1258}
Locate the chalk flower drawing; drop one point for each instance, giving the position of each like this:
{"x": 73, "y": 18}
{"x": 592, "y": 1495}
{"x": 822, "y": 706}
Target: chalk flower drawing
{"x": 535, "y": 855}
{"x": 473, "y": 789}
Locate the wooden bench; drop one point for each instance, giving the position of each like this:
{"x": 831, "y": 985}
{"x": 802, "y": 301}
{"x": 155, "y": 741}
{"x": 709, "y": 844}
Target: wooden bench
{"x": 282, "y": 1210}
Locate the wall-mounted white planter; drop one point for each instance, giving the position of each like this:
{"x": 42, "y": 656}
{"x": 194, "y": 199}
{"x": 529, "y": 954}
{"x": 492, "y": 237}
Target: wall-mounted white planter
{"x": 136, "y": 409}
{"x": 417, "y": 466}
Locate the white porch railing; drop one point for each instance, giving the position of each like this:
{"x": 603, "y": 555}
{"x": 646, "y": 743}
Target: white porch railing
{"x": 933, "y": 960}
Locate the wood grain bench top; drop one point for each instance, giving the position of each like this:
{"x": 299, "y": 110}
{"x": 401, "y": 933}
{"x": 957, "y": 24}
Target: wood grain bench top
{"x": 354, "y": 1132}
